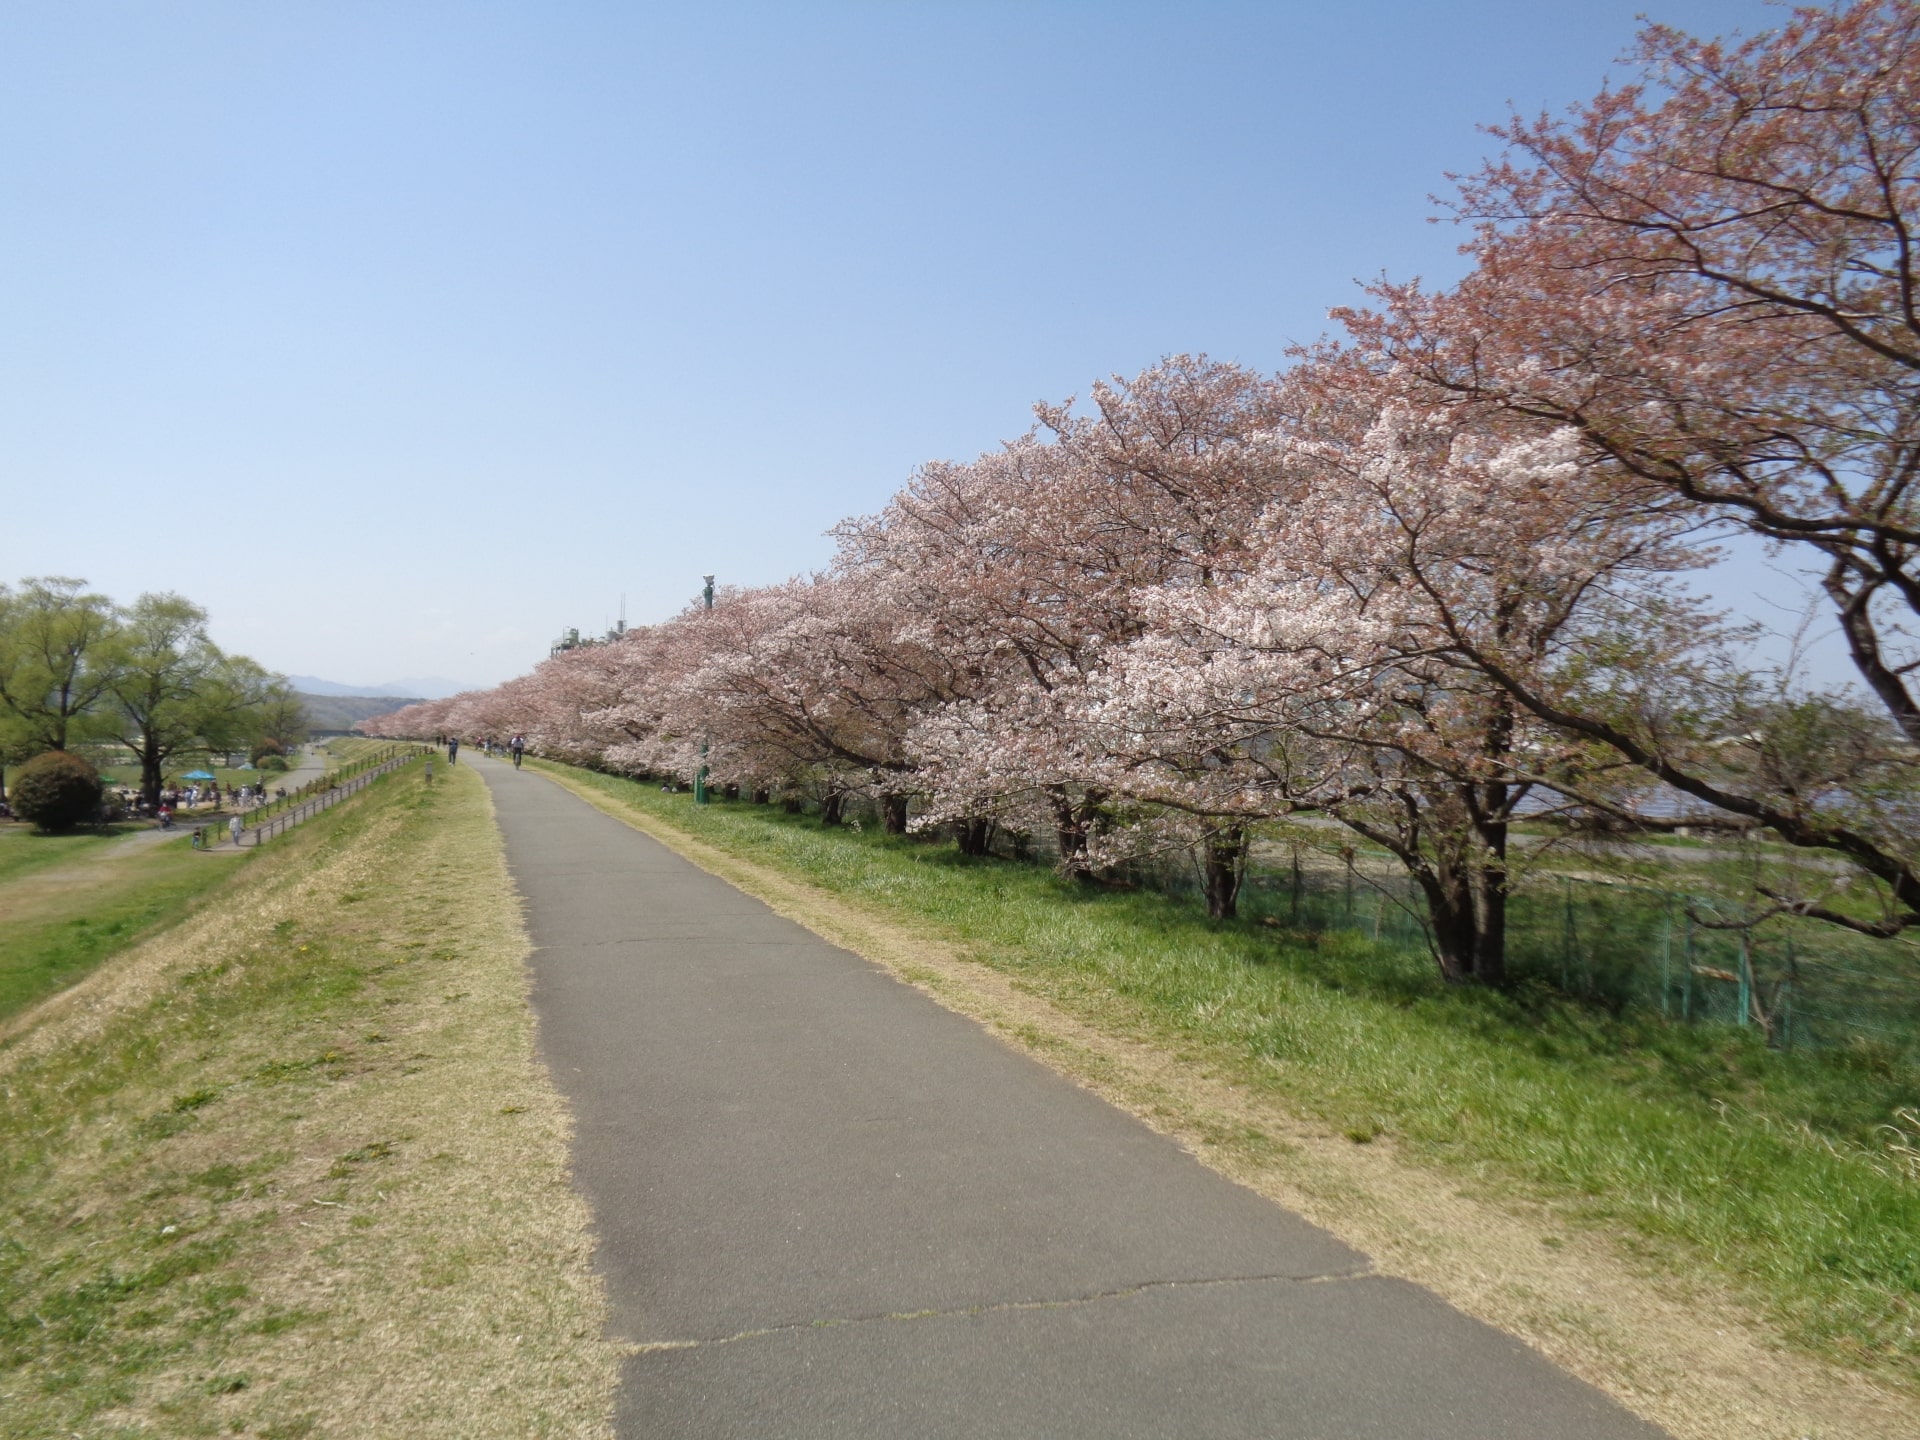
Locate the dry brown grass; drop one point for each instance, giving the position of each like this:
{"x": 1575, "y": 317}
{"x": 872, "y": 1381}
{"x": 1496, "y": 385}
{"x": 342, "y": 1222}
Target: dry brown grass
{"x": 293, "y": 1168}
{"x": 1679, "y": 1351}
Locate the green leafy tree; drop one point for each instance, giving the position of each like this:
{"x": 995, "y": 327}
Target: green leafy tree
{"x": 59, "y": 654}
{"x": 173, "y": 689}
{"x": 57, "y": 791}
{"x": 15, "y": 749}
{"x": 283, "y": 718}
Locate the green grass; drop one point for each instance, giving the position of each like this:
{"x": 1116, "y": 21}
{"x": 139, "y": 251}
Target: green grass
{"x": 54, "y": 934}
{"x": 94, "y": 1324}
{"x": 345, "y": 749}
{"x": 24, "y": 849}
{"x": 228, "y": 1199}
{"x": 1697, "y": 1145}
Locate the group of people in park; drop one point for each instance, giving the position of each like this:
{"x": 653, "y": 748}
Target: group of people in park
{"x": 174, "y": 798}
{"x": 196, "y": 797}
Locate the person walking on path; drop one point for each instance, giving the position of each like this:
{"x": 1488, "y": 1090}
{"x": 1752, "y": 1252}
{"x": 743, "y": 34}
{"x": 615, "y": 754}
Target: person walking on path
{"x": 453, "y": 750}
{"x": 234, "y": 827}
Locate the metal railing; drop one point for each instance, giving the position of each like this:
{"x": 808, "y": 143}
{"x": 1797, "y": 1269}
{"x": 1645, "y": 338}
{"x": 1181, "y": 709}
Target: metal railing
{"x": 321, "y": 795}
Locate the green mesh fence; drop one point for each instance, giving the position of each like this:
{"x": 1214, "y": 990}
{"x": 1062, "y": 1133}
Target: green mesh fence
{"x": 1801, "y": 982}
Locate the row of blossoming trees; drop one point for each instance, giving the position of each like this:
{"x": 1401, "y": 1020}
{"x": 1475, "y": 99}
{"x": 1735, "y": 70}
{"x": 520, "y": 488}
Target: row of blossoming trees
{"x": 1431, "y": 579}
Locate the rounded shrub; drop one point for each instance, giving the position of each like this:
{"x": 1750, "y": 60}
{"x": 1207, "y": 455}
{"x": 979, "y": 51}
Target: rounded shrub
{"x": 271, "y": 762}
{"x": 56, "y": 791}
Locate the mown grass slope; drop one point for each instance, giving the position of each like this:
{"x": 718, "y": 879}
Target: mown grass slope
{"x": 291, "y": 1168}
{"x": 67, "y": 902}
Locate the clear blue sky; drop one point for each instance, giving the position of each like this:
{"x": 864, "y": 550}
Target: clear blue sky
{"x": 404, "y": 336}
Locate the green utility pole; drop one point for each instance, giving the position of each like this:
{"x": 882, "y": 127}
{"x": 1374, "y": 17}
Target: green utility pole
{"x": 700, "y": 780}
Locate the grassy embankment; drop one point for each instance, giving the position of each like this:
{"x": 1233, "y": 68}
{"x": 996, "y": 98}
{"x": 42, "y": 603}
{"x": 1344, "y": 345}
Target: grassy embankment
{"x": 1691, "y": 1154}
{"x": 68, "y": 901}
{"x": 290, "y": 1168}
{"x": 346, "y": 748}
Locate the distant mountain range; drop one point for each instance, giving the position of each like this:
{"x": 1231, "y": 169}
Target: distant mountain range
{"x": 338, "y": 714}
{"x": 431, "y": 687}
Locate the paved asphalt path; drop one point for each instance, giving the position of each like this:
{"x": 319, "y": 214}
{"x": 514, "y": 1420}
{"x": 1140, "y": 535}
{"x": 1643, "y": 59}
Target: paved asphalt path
{"x": 827, "y": 1207}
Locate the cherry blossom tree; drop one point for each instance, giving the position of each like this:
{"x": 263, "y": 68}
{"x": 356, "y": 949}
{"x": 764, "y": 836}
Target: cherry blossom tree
{"x": 834, "y": 677}
{"x": 969, "y": 552}
{"x": 1022, "y": 566}
{"x": 562, "y": 705}
{"x": 1709, "y": 277}
{"x": 1346, "y": 672}
{"x": 806, "y": 687}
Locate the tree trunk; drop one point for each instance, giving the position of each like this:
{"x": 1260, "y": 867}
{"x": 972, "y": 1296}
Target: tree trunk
{"x": 1490, "y": 917}
{"x": 150, "y": 777}
{"x": 830, "y": 808}
{"x": 1070, "y": 826}
{"x": 975, "y": 835}
{"x": 1467, "y": 911}
{"x": 1224, "y": 867}
{"x": 893, "y": 813}
{"x": 1068, "y": 838}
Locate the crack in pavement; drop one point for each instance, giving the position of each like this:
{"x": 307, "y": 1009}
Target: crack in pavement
{"x": 651, "y": 1347}
{"x": 559, "y": 948}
